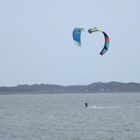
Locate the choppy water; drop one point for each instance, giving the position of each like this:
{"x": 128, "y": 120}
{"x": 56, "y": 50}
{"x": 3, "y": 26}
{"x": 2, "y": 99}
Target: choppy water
{"x": 64, "y": 117}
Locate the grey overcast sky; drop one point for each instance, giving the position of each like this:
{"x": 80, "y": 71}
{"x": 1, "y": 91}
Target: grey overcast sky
{"x": 36, "y": 43}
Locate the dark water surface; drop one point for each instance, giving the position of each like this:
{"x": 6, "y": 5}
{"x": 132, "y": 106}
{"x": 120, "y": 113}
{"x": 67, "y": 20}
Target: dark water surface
{"x": 64, "y": 117}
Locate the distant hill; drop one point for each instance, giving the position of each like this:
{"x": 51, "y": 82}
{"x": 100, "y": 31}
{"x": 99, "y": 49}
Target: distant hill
{"x": 99, "y": 87}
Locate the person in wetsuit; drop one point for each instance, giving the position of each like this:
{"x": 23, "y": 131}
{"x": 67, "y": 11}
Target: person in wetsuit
{"x": 86, "y": 104}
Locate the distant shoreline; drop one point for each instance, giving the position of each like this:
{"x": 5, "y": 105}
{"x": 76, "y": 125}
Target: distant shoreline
{"x": 98, "y": 87}
{"x": 40, "y": 93}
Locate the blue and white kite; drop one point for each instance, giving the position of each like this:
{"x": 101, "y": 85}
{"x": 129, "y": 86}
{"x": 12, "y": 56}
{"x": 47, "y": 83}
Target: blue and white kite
{"x": 77, "y": 35}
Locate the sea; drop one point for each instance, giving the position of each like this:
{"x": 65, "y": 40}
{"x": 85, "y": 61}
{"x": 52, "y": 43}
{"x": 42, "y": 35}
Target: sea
{"x": 110, "y": 116}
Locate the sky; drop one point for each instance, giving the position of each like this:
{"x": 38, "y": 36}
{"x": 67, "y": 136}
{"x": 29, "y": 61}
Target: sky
{"x": 36, "y": 44}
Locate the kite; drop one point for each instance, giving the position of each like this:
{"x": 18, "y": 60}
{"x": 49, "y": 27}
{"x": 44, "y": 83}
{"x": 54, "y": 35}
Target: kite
{"x": 77, "y": 35}
{"x": 106, "y": 45}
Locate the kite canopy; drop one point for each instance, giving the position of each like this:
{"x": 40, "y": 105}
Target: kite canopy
{"x": 77, "y": 35}
{"x": 106, "y": 45}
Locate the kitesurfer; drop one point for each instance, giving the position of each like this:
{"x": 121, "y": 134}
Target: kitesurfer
{"x": 86, "y": 104}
